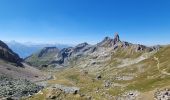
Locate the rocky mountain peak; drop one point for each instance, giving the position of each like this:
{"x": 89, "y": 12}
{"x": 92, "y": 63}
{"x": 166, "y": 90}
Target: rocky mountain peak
{"x": 116, "y": 38}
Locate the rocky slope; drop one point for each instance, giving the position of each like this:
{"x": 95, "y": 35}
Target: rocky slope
{"x": 17, "y": 79}
{"x": 8, "y": 55}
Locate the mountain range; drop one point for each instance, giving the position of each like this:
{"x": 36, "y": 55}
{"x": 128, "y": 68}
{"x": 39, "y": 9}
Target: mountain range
{"x": 109, "y": 70}
{"x": 58, "y": 58}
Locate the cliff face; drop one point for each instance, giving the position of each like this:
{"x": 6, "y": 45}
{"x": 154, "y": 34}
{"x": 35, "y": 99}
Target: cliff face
{"x": 8, "y": 55}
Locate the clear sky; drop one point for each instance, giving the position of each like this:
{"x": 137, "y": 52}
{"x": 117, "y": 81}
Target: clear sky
{"x": 76, "y": 21}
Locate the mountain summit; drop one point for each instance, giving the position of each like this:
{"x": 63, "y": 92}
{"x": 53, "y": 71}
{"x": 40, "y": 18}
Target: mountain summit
{"x": 116, "y": 38}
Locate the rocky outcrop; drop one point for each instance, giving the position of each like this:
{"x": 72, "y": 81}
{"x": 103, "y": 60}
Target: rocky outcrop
{"x": 8, "y": 55}
{"x": 139, "y": 47}
{"x": 107, "y": 42}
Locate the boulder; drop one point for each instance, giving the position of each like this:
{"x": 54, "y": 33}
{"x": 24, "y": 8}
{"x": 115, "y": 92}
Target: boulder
{"x": 98, "y": 77}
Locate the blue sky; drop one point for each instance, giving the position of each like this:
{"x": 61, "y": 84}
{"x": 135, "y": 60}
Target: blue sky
{"x": 75, "y": 21}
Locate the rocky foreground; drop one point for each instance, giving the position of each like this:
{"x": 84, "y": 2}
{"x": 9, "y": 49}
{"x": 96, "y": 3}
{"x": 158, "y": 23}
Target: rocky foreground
{"x": 17, "y": 79}
{"x": 16, "y": 88}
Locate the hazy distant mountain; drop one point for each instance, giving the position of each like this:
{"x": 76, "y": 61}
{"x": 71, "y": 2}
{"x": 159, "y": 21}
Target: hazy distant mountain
{"x": 26, "y": 49}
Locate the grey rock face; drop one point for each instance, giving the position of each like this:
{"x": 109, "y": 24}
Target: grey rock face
{"x": 63, "y": 55}
{"x": 7, "y": 54}
{"x": 67, "y": 53}
{"x": 116, "y": 38}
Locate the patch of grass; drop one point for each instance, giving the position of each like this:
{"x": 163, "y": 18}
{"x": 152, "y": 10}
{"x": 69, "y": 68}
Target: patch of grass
{"x": 115, "y": 91}
{"x": 149, "y": 84}
{"x": 74, "y": 78}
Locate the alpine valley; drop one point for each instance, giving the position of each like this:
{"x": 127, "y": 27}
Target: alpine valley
{"x": 109, "y": 70}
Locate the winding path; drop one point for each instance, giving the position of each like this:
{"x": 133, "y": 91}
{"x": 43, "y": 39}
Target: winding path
{"x": 158, "y": 67}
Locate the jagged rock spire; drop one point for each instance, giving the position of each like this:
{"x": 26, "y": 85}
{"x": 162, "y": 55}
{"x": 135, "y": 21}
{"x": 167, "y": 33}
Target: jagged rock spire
{"x": 116, "y": 38}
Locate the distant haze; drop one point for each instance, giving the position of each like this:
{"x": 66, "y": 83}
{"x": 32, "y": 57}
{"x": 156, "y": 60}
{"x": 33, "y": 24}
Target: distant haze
{"x": 26, "y": 49}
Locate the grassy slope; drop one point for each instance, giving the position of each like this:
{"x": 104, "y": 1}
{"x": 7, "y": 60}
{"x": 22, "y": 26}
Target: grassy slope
{"x": 157, "y": 78}
{"x": 34, "y": 60}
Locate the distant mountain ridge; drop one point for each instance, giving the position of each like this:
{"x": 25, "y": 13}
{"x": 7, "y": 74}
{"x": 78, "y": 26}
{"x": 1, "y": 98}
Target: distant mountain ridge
{"x": 26, "y": 49}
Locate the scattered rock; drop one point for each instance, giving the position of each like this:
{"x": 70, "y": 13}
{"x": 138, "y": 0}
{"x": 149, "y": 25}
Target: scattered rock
{"x": 162, "y": 94}
{"x": 85, "y": 72}
{"x": 129, "y": 95}
{"x": 17, "y": 87}
{"x": 53, "y": 93}
{"x": 125, "y": 78}
{"x": 107, "y": 83}
{"x": 66, "y": 89}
